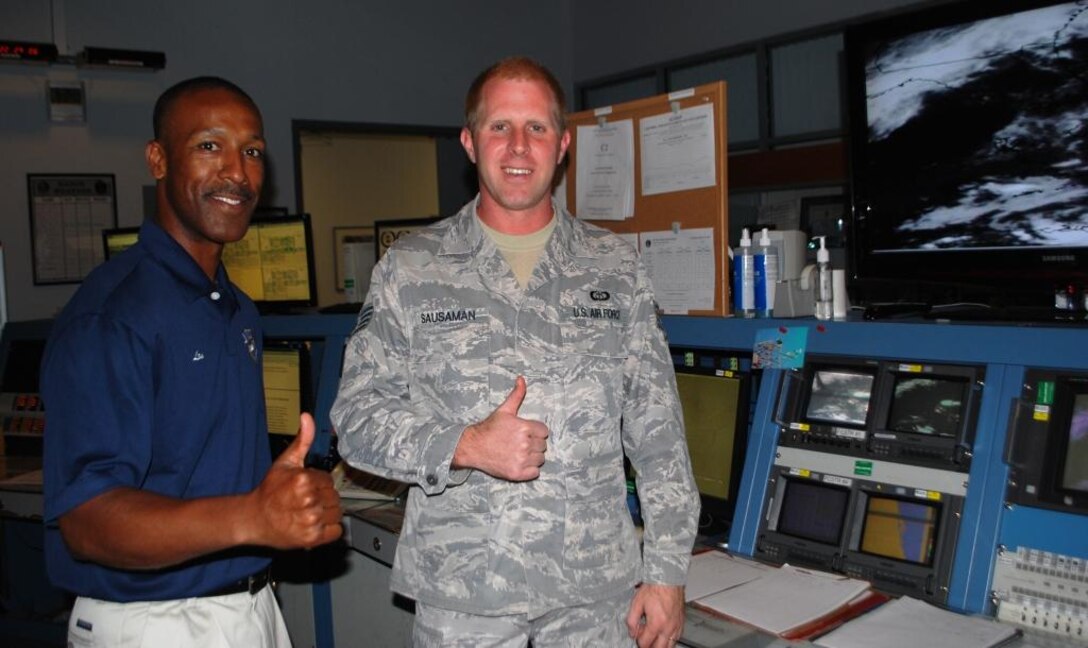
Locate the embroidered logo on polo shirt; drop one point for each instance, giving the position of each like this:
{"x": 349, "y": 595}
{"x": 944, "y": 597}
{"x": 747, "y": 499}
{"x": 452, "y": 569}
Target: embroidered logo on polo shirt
{"x": 250, "y": 342}
{"x": 198, "y": 356}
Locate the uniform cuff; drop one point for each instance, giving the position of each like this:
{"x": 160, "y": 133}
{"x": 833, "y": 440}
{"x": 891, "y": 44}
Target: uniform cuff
{"x": 435, "y": 474}
{"x": 665, "y": 568}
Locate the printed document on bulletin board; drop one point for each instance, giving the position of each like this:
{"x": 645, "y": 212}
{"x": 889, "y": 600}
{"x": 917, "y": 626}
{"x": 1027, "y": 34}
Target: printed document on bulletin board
{"x": 681, "y": 266}
{"x": 678, "y": 150}
{"x": 606, "y": 171}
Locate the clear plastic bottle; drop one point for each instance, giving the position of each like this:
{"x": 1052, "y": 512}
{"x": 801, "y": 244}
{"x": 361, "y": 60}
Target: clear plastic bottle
{"x": 766, "y": 274}
{"x": 744, "y": 269}
{"x": 824, "y": 295}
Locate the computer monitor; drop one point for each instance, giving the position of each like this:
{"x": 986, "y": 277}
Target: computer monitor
{"x": 273, "y": 263}
{"x": 714, "y": 396}
{"x": 839, "y": 396}
{"x": 901, "y": 529}
{"x": 1047, "y": 449}
{"x": 828, "y": 402}
{"x": 1075, "y": 453}
{"x": 926, "y": 413}
{"x": 902, "y": 536}
{"x": 804, "y": 518}
{"x": 118, "y": 239}
{"x": 813, "y": 510}
{"x": 288, "y": 388}
{"x": 932, "y": 406}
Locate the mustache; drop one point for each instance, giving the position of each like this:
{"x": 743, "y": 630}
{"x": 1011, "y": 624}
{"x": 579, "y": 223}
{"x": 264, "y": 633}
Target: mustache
{"x": 241, "y": 193}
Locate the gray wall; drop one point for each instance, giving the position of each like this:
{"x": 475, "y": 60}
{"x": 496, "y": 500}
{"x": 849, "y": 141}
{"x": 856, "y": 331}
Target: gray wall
{"x": 612, "y": 36}
{"x": 405, "y": 62}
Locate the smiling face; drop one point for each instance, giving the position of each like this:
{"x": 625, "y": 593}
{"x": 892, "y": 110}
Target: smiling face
{"x": 209, "y": 164}
{"x": 516, "y": 146}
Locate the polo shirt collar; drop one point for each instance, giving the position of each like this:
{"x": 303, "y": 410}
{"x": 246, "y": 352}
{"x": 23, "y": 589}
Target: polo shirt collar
{"x": 191, "y": 278}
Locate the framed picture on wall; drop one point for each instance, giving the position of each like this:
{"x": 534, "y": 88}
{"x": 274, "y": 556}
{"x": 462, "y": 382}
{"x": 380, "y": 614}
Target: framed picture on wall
{"x": 388, "y": 231}
{"x": 342, "y": 235}
{"x": 67, "y": 215}
{"x": 823, "y": 216}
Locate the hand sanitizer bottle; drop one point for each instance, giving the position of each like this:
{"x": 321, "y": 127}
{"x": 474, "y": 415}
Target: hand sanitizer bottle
{"x": 744, "y": 302}
{"x": 766, "y": 275}
{"x": 824, "y": 296}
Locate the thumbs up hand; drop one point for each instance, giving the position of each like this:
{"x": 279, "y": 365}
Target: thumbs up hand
{"x": 297, "y": 507}
{"x": 504, "y": 445}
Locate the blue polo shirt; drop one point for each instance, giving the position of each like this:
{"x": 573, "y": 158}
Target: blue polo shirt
{"x": 152, "y": 380}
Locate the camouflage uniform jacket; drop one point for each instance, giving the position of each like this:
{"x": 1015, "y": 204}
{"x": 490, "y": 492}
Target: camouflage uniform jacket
{"x": 443, "y": 334}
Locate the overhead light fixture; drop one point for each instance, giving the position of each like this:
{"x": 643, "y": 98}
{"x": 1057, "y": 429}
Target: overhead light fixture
{"x": 27, "y": 51}
{"x": 121, "y": 58}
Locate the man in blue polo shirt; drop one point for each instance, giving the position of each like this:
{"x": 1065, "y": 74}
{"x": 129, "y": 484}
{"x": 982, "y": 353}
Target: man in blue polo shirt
{"x": 159, "y": 485}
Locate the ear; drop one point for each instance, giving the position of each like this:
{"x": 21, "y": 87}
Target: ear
{"x": 156, "y": 159}
{"x": 564, "y": 142}
{"x": 466, "y": 142}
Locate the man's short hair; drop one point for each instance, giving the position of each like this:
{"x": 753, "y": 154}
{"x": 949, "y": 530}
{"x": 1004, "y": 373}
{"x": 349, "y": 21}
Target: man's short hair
{"x": 519, "y": 68}
{"x": 170, "y": 96}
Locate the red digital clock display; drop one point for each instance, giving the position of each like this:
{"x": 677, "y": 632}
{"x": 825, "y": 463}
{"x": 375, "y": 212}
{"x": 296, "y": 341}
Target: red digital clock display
{"x": 26, "y": 51}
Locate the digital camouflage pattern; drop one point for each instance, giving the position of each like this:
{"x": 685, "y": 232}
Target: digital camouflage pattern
{"x": 442, "y": 337}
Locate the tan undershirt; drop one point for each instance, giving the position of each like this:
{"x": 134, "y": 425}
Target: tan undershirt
{"x": 521, "y": 251}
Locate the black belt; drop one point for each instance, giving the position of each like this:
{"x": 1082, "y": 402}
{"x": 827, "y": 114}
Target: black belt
{"x": 251, "y": 584}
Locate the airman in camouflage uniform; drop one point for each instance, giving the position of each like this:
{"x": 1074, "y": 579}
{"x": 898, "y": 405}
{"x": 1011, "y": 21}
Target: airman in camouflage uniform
{"x": 448, "y": 339}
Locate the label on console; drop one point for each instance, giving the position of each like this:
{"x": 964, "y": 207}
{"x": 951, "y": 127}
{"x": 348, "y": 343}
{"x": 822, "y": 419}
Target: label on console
{"x": 841, "y": 481}
{"x": 800, "y": 472}
{"x": 1041, "y": 413}
{"x": 848, "y": 433}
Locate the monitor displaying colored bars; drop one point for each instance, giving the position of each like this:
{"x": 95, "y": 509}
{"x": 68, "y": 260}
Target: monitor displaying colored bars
{"x": 813, "y": 511}
{"x": 839, "y": 396}
{"x": 900, "y": 529}
{"x": 930, "y": 405}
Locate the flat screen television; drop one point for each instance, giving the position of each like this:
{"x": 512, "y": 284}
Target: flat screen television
{"x": 969, "y": 154}
{"x": 273, "y": 263}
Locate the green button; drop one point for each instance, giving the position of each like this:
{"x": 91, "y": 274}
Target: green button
{"x": 1045, "y": 392}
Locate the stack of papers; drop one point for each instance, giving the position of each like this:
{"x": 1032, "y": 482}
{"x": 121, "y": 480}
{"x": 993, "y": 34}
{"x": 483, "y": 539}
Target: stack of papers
{"x": 907, "y": 622}
{"x": 782, "y": 601}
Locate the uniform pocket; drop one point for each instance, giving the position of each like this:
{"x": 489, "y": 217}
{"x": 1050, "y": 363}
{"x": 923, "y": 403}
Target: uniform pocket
{"x": 449, "y": 358}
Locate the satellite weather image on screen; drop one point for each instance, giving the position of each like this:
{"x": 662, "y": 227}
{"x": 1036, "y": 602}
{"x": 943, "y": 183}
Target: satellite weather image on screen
{"x": 932, "y": 406}
{"x": 839, "y": 397}
{"x": 990, "y": 115}
{"x": 1075, "y": 472}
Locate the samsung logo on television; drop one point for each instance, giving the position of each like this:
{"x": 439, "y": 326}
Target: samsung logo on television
{"x": 1059, "y": 258}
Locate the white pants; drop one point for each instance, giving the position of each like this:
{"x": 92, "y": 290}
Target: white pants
{"x": 241, "y": 620}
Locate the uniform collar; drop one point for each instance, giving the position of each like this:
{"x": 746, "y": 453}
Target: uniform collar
{"x": 465, "y": 237}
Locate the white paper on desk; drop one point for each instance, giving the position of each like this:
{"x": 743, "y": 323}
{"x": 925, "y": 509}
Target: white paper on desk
{"x": 786, "y": 598}
{"x": 908, "y": 622}
{"x": 605, "y": 168}
{"x": 681, "y": 267}
{"x": 714, "y": 571}
{"x": 31, "y": 478}
{"x": 678, "y": 150}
